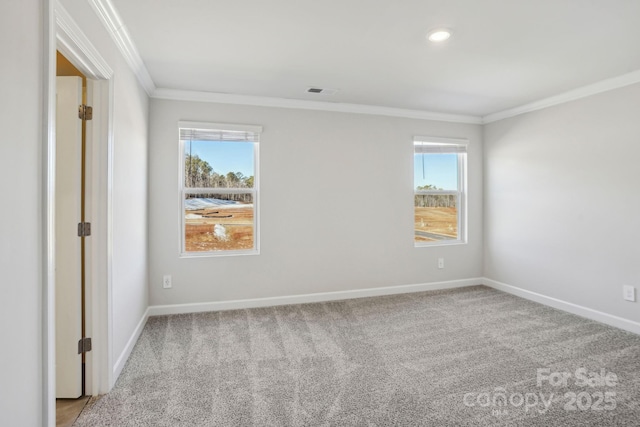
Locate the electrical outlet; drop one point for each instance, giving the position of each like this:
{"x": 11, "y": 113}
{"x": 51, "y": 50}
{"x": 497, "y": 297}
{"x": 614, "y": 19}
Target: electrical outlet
{"x": 440, "y": 262}
{"x": 629, "y": 293}
{"x": 166, "y": 281}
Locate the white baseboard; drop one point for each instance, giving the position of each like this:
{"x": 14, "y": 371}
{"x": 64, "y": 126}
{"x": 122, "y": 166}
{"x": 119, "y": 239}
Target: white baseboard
{"x": 158, "y": 310}
{"x": 124, "y": 356}
{"x": 589, "y": 313}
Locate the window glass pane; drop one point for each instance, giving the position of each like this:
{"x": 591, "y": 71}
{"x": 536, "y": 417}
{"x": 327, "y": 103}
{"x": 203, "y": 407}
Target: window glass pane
{"x": 436, "y": 217}
{"x": 435, "y": 171}
{"x": 219, "y": 222}
{"x": 218, "y": 164}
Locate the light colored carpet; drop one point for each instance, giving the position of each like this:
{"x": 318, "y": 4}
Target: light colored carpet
{"x": 441, "y": 358}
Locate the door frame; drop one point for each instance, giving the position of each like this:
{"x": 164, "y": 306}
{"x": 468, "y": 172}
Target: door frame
{"x": 63, "y": 34}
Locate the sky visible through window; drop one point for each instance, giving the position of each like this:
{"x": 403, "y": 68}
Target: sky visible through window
{"x": 439, "y": 170}
{"x": 223, "y": 156}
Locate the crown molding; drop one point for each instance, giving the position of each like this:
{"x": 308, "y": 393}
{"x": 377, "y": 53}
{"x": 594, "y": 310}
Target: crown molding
{"x": 73, "y": 43}
{"x": 111, "y": 20}
{"x": 572, "y": 95}
{"x": 262, "y": 101}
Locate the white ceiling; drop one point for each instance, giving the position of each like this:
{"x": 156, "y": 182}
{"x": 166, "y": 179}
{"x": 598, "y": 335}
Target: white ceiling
{"x": 503, "y": 53}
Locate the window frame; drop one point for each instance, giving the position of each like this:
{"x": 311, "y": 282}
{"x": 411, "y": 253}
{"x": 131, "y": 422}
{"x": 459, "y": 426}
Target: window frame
{"x": 460, "y": 193}
{"x": 183, "y": 190}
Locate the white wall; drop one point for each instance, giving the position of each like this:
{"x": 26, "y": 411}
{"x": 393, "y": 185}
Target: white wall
{"x": 131, "y": 103}
{"x": 561, "y": 201}
{"x": 21, "y": 74}
{"x": 336, "y": 206}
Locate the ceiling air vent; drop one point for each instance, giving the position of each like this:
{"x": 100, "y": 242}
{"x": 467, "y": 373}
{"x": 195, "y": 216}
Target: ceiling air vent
{"x": 323, "y": 91}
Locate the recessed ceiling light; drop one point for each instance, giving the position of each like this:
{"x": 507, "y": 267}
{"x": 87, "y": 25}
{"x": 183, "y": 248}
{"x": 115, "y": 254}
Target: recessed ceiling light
{"x": 439, "y": 35}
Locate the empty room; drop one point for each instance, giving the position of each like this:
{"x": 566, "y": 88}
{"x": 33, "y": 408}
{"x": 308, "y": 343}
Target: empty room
{"x": 336, "y": 213}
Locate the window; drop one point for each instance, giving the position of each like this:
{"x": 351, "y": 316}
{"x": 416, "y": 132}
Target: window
{"x": 218, "y": 188}
{"x": 439, "y": 178}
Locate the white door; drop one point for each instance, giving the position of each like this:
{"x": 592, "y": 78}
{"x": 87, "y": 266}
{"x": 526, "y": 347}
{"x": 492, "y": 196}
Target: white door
{"x": 67, "y": 242}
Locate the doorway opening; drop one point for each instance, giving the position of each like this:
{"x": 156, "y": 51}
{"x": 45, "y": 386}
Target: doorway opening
{"x": 66, "y": 37}
{"x": 72, "y": 257}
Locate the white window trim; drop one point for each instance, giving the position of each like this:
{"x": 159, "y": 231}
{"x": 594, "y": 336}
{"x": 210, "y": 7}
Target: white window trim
{"x": 461, "y": 193}
{"x": 255, "y": 191}
{"x": 441, "y": 140}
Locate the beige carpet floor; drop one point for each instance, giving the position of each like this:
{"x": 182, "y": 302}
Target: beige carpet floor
{"x": 469, "y": 356}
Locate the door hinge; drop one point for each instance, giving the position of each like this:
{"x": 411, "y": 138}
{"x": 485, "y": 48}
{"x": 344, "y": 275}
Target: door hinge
{"x": 85, "y": 112}
{"x": 84, "y": 229}
{"x": 84, "y": 345}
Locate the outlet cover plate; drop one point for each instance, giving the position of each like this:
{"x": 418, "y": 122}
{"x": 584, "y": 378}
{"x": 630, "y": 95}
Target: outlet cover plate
{"x": 629, "y": 293}
{"x": 166, "y": 281}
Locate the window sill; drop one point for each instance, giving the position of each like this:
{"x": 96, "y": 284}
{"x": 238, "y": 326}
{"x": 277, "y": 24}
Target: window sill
{"x": 439, "y": 243}
{"x": 216, "y": 254}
